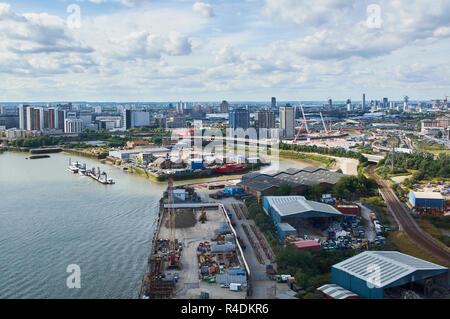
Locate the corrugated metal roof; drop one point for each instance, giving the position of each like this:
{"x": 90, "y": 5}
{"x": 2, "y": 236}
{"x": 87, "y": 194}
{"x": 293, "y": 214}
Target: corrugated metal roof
{"x": 292, "y": 176}
{"x": 228, "y": 279}
{"x": 336, "y": 291}
{"x": 382, "y": 268}
{"x": 428, "y": 195}
{"x": 291, "y": 205}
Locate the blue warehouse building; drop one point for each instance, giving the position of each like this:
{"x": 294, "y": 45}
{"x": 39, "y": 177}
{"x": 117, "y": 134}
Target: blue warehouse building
{"x": 290, "y": 212}
{"x": 381, "y": 274}
{"x": 427, "y": 200}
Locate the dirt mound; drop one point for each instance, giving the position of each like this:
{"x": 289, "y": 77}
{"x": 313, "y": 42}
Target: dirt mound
{"x": 184, "y": 219}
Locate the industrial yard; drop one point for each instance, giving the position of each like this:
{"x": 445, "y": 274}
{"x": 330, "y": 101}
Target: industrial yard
{"x": 198, "y": 254}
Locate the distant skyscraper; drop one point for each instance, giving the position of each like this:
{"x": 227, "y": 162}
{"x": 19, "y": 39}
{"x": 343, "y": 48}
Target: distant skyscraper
{"x": 349, "y": 105}
{"x": 239, "y": 119}
{"x": 274, "y": 102}
{"x": 330, "y": 103}
{"x": 23, "y": 117}
{"x": 287, "y": 121}
{"x": 265, "y": 119}
{"x": 224, "y": 107}
{"x": 405, "y": 103}
{"x": 364, "y": 101}
{"x": 385, "y": 103}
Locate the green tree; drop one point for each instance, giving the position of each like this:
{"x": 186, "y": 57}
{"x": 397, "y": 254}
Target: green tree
{"x": 284, "y": 190}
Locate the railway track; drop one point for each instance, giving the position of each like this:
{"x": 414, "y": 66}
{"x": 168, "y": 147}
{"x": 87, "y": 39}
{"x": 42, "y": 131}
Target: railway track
{"x": 408, "y": 224}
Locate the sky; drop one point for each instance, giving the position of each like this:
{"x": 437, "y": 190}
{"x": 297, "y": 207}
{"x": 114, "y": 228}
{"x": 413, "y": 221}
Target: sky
{"x": 246, "y": 50}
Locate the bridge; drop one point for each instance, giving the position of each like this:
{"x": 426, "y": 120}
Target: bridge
{"x": 373, "y": 158}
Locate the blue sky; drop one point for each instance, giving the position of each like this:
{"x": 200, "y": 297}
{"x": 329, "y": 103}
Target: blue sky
{"x": 152, "y": 50}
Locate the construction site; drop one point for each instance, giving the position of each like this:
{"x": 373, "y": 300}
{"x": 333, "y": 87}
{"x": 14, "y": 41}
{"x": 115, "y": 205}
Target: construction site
{"x": 195, "y": 254}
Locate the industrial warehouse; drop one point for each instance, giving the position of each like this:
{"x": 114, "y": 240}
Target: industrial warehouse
{"x": 390, "y": 274}
{"x": 292, "y": 212}
{"x": 265, "y": 184}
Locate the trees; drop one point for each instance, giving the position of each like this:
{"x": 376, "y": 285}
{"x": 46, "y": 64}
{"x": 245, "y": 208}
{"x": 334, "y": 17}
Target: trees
{"x": 323, "y": 150}
{"x": 315, "y": 192}
{"x": 352, "y": 187}
{"x": 426, "y": 165}
{"x": 284, "y": 190}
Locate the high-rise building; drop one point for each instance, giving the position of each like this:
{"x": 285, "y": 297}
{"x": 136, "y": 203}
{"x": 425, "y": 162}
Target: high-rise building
{"x": 330, "y": 103}
{"x": 132, "y": 119}
{"x": 349, "y": 105}
{"x": 274, "y": 102}
{"x": 23, "y": 117}
{"x": 405, "y": 103}
{"x": 224, "y": 107}
{"x": 73, "y": 126}
{"x": 239, "y": 118}
{"x": 287, "y": 121}
{"x": 364, "y": 101}
{"x": 385, "y": 103}
{"x": 265, "y": 119}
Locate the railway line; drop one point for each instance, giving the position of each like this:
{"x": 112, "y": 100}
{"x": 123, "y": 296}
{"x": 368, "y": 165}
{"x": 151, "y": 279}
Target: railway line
{"x": 407, "y": 223}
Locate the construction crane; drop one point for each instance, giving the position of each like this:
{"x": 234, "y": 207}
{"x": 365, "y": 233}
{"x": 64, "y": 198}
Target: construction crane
{"x": 299, "y": 131}
{"x": 304, "y": 119}
{"x": 323, "y": 122}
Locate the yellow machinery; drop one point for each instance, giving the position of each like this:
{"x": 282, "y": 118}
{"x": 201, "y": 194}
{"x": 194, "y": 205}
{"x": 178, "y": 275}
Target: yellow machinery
{"x": 203, "y": 218}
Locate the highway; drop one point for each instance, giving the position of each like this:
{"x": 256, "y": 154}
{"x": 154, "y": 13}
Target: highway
{"x": 403, "y": 217}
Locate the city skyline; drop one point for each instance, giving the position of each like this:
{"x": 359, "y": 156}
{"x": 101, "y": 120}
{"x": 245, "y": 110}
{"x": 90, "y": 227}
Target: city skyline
{"x": 137, "y": 50}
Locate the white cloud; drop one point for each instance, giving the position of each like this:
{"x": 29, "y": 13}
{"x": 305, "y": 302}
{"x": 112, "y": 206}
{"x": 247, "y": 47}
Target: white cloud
{"x": 128, "y": 3}
{"x": 204, "y": 9}
{"x": 404, "y": 23}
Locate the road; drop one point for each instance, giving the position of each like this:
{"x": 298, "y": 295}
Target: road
{"x": 406, "y": 223}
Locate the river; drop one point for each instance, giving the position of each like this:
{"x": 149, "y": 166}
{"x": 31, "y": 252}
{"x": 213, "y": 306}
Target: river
{"x": 51, "y": 219}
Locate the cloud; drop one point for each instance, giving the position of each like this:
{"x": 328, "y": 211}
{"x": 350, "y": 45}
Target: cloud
{"x": 36, "y": 33}
{"x": 204, "y": 9}
{"x": 144, "y": 45}
{"x": 308, "y": 12}
{"x": 344, "y": 32}
{"x": 128, "y": 3}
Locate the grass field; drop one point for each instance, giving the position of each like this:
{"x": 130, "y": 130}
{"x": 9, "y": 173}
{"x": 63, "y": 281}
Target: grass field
{"x": 328, "y": 161}
{"x": 406, "y": 246}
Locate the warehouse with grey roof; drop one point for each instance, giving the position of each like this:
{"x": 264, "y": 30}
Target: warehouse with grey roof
{"x": 291, "y": 212}
{"x": 266, "y": 184}
{"x": 390, "y": 274}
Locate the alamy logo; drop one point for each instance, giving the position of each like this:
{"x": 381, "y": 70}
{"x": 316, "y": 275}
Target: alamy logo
{"x": 74, "y": 20}
{"x": 374, "y": 20}
{"x": 74, "y": 280}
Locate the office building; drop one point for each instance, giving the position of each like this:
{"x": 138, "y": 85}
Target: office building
{"x": 239, "y": 119}
{"x": 287, "y": 121}
{"x": 73, "y": 126}
{"x": 132, "y": 119}
{"x": 265, "y": 119}
{"x": 405, "y": 103}
{"x": 274, "y": 103}
{"x": 349, "y": 105}
{"x": 364, "y": 101}
{"x": 385, "y": 103}
{"x": 224, "y": 107}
